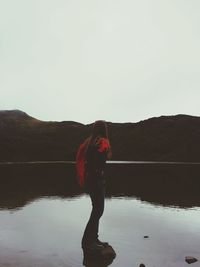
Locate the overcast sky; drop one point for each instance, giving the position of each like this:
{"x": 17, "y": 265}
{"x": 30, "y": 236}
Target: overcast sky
{"x": 117, "y": 60}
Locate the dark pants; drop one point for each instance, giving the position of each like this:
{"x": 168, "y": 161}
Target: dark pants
{"x": 97, "y": 195}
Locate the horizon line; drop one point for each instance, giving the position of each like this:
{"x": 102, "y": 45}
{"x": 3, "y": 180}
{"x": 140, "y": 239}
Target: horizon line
{"x": 126, "y": 122}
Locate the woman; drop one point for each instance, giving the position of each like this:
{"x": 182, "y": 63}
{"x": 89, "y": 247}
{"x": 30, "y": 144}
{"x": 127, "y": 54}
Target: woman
{"x": 90, "y": 169}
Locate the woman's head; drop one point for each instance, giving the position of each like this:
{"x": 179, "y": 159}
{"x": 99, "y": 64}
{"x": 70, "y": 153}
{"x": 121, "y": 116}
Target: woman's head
{"x": 100, "y": 129}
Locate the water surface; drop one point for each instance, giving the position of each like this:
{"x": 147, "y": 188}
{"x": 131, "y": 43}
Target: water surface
{"x": 47, "y": 232}
{"x": 43, "y": 214}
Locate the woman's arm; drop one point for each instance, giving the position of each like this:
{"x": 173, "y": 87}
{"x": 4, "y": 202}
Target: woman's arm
{"x": 109, "y": 155}
{"x": 109, "y": 152}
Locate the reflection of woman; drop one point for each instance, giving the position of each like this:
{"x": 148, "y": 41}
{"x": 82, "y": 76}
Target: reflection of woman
{"x": 95, "y": 151}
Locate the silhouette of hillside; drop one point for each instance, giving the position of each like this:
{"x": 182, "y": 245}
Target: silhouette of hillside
{"x": 165, "y": 138}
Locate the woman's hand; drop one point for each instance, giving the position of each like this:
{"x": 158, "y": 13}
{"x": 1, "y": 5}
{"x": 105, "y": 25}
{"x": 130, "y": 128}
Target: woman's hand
{"x": 103, "y": 145}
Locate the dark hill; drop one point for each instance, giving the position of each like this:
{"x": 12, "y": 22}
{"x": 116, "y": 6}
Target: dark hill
{"x": 165, "y": 138}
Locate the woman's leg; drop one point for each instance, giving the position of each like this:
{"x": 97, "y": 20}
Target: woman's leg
{"x": 97, "y": 196}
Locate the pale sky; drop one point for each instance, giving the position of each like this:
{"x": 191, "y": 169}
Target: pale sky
{"x": 117, "y": 60}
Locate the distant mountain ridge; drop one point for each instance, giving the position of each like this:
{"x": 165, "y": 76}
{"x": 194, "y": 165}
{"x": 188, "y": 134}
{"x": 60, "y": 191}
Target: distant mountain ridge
{"x": 164, "y": 138}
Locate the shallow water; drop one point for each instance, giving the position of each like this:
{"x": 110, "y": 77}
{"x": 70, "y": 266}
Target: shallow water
{"x": 43, "y": 215}
{"x": 48, "y": 231}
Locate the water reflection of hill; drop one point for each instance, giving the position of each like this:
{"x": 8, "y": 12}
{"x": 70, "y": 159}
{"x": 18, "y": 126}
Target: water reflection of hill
{"x": 176, "y": 185}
